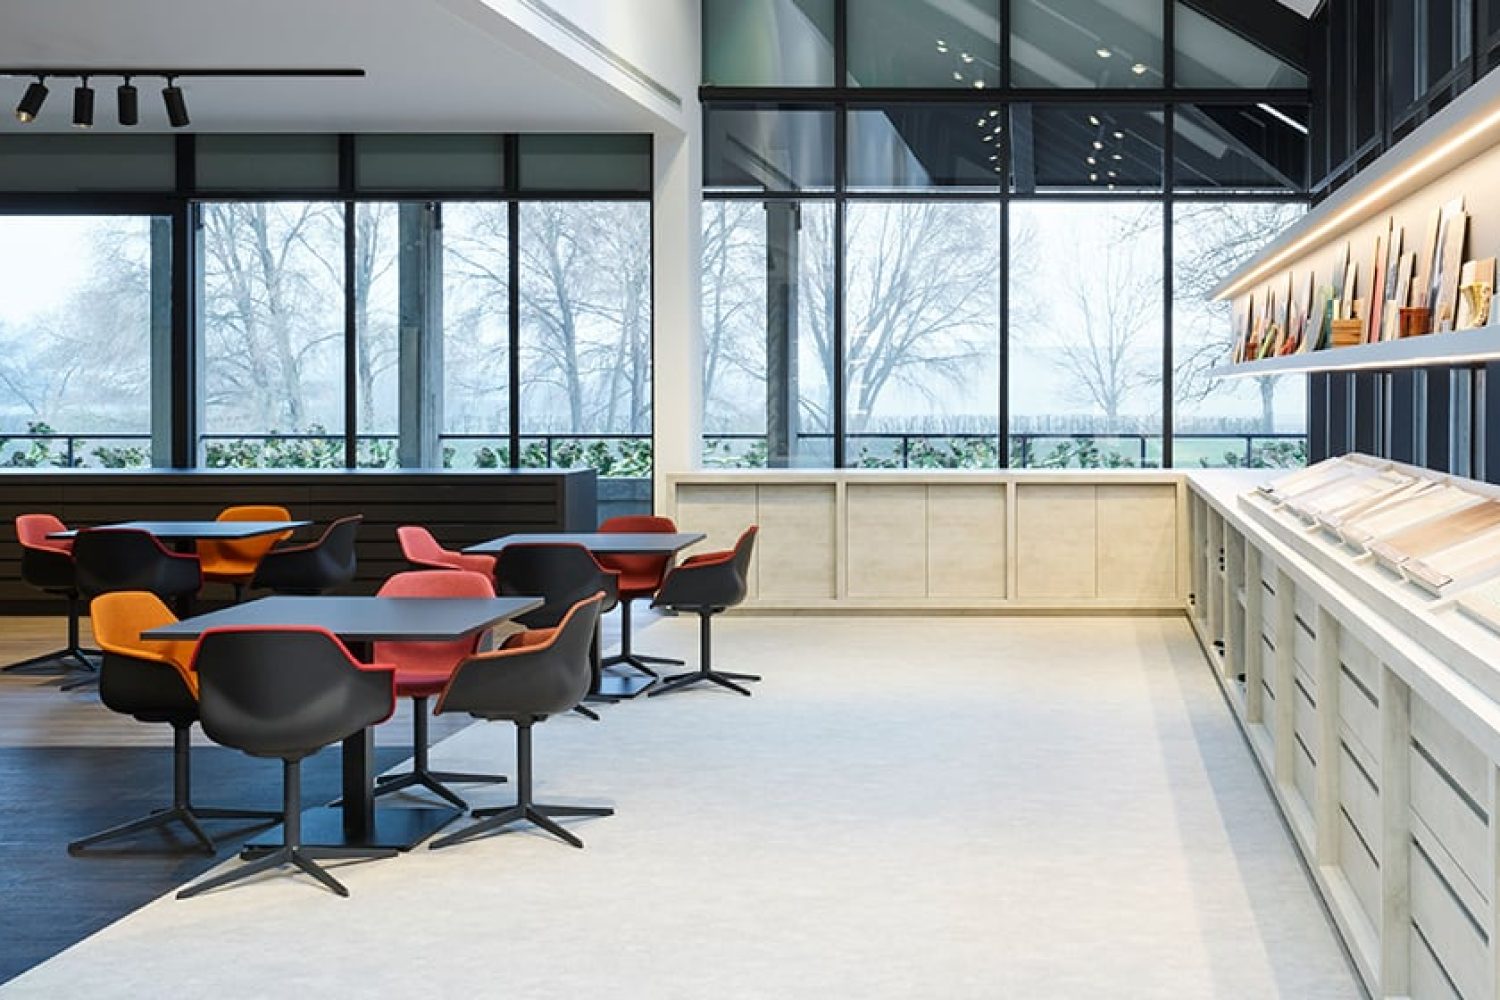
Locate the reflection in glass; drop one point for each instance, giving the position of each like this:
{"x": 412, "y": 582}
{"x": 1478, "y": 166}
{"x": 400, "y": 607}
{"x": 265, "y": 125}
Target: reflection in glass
{"x": 926, "y": 147}
{"x": 768, "y": 43}
{"x": 1085, "y": 333}
{"x": 1086, "y": 43}
{"x": 768, "y": 298}
{"x": 1233, "y": 421}
{"x": 273, "y": 326}
{"x": 76, "y": 333}
{"x": 922, "y": 334}
{"x": 924, "y": 43}
{"x": 768, "y": 149}
{"x": 1066, "y": 147}
{"x": 1211, "y": 55}
{"x": 1239, "y": 147}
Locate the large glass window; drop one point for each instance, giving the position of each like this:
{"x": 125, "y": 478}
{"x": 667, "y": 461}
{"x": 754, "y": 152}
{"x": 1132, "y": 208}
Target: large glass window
{"x": 585, "y": 350}
{"x": 82, "y": 302}
{"x": 922, "y": 334}
{"x": 476, "y": 335}
{"x": 273, "y": 335}
{"x": 1086, "y": 333}
{"x": 1226, "y": 422}
{"x": 1086, "y": 43}
{"x": 768, "y": 327}
{"x": 768, "y": 43}
{"x": 924, "y": 43}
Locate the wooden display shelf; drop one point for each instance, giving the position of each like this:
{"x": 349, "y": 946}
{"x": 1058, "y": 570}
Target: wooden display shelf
{"x": 1463, "y": 348}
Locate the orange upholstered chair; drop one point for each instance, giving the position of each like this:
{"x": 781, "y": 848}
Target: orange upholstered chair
{"x": 154, "y": 682}
{"x": 640, "y": 576}
{"x": 423, "y": 551}
{"x": 235, "y": 562}
{"x": 423, "y": 670}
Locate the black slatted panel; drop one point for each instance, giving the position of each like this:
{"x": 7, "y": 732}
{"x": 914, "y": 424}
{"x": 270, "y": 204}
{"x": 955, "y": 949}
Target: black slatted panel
{"x": 460, "y": 508}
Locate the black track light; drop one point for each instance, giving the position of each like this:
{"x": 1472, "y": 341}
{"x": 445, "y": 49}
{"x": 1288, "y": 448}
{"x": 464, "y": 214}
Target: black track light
{"x": 129, "y": 103}
{"x": 31, "y": 101}
{"x": 83, "y": 105}
{"x": 177, "y": 113}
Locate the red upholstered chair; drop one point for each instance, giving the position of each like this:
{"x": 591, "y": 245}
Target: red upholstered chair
{"x": 47, "y": 565}
{"x": 640, "y": 576}
{"x": 423, "y": 670}
{"x": 706, "y": 585}
{"x": 424, "y": 552}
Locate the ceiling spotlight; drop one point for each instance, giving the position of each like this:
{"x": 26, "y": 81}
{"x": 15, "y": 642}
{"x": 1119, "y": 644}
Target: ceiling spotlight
{"x": 1098, "y": 144}
{"x": 982, "y": 122}
{"x": 994, "y": 112}
{"x": 1119, "y": 135}
{"x": 129, "y": 101}
{"x": 1111, "y": 173}
{"x": 83, "y": 105}
{"x": 978, "y": 84}
{"x": 171, "y": 96}
{"x": 1094, "y": 120}
{"x": 1093, "y": 177}
{"x": 942, "y": 45}
{"x": 31, "y": 101}
{"x": 1102, "y": 52}
{"x": 994, "y": 157}
{"x": 957, "y": 75}
{"x": 966, "y": 57}
{"x": 1139, "y": 69}
{"x": 1091, "y": 160}
{"x": 1116, "y": 156}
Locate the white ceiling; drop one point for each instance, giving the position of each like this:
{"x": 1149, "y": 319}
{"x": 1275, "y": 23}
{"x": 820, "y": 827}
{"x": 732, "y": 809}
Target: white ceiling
{"x": 432, "y": 65}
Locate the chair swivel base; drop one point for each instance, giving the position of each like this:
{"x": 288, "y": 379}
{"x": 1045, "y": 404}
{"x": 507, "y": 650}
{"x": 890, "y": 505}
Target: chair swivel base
{"x": 189, "y": 816}
{"x": 493, "y": 820}
{"x": 304, "y": 859}
{"x": 421, "y": 777}
{"x": 640, "y": 662}
{"x": 66, "y": 659}
{"x": 719, "y": 677}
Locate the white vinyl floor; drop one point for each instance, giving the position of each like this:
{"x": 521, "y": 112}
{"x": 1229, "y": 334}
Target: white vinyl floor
{"x": 907, "y": 807}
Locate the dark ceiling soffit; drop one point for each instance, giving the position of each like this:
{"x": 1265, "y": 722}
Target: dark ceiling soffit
{"x": 1279, "y": 30}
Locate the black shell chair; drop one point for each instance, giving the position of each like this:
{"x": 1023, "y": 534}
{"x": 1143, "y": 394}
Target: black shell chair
{"x": 316, "y": 567}
{"x": 287, "y": 693}
{"x": 561, "y": 574}
{"x": 706, "y": 585}
{"x": 110, "y": 560}
{"x": 546, "y": 672}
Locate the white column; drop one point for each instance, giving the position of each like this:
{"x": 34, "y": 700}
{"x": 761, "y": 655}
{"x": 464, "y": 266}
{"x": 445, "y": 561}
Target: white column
{"x": 677, "y": 230}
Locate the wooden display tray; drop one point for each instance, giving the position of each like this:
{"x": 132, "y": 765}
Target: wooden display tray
{"x": 1316, "y": 477}
{"x": 1347, "y": 492}
{"x": 1436, "y": 534}
{"x": 1430, "y": 501}
{"x": 1474, "y": 558}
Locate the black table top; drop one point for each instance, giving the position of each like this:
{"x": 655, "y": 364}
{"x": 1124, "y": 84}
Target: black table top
{"x": 182, "y": 530}
{"x": 602, "y": 542}
{"x": 362, "y": 619}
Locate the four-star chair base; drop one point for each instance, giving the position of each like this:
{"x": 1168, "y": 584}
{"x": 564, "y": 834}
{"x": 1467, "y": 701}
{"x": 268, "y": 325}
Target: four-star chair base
{"x": 291, "y": 852}
{"x": 524, "y": 808}
{"x": 705, "y": 671}
{"x": 182, "y": 809}
{"x": 421, "y": 775}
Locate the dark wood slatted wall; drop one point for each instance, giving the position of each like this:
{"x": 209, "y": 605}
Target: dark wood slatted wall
{"x": 460, "y": 508}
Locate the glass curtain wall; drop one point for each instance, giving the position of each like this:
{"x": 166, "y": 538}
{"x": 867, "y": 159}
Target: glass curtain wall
{"x": 907, "y": 263}
{"x": 84, "y": 313}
